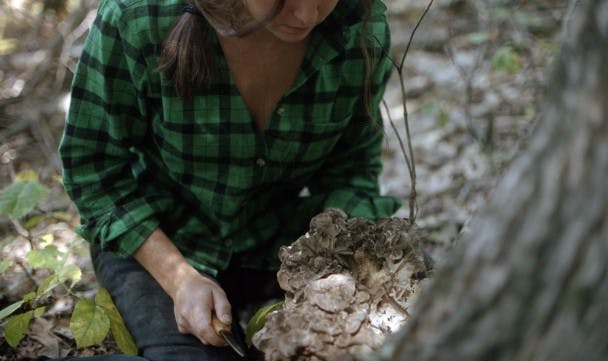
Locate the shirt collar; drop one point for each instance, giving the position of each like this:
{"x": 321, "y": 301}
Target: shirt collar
{"x": 326, "y": 43}
{"x": 326, "y": 40}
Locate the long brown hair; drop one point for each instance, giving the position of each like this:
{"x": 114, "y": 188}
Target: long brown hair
{"x": 369, "y": 59}
{"x": 187, "y": 61}
{"x": 185, "y": 58}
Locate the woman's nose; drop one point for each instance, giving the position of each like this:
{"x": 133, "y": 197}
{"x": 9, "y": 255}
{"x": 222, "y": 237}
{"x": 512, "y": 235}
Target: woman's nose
{"x": 307, "y": 11}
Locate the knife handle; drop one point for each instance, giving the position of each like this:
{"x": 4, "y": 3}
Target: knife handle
{"x": 219, "y": 326}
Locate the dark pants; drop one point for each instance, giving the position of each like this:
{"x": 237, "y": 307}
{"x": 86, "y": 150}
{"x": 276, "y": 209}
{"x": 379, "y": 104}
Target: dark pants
{"x": 148, "y": 310}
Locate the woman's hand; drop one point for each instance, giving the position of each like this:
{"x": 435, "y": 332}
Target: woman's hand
{"x": 196, "y": 300}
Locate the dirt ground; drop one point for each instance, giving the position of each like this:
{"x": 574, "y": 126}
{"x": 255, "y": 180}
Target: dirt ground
{"x": 474, "y": 75}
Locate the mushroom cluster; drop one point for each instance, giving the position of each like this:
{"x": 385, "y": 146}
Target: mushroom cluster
{"x": 349, "y": 283}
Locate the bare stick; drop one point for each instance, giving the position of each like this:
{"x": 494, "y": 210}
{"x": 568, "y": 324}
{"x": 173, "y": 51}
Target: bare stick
{"x": 409, "y": 155}
{"x": 401, "y": 145}
{"x": 411, "y": 39}
{"x": 467, "y": 77}
{"x": 412, "y": 197}
{"x": 75, "y": 31}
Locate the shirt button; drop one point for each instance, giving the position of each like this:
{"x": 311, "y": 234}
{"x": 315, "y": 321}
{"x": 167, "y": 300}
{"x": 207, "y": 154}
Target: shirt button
{"x": 280, "y": 111}
{"x": 228, "y": 242}
{"x": 260, "y": 162}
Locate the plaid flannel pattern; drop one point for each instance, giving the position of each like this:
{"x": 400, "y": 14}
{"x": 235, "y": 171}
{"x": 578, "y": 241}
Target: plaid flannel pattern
{"x": 137, "y": 157}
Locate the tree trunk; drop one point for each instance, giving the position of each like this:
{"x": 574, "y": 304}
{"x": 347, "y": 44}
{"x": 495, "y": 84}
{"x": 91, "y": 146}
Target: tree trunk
{"x": 530, "y": 280}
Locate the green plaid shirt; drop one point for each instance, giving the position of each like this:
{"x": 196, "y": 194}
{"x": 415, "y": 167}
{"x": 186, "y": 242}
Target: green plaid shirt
{"x": 137, "y": 157}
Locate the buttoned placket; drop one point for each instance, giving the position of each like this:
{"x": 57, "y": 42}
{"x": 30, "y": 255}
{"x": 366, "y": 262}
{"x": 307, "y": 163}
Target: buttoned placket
{"x": 261, "y": 159}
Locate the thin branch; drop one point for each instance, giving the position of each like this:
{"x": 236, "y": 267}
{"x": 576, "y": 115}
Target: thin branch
{"x": 409, "y": 153}
{"x": 413, "y": 193}
{"x": 401, "y": 145}
{"x": 21, "y": 230}
{"x": 27, "y": 271}
{"x": 468, "y": 74}
{"x": 467, "y": 78}
{"x": 411, "y": 39}
{"x": 73, "y": 34}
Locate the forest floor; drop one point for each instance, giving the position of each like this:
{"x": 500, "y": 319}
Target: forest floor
{"x": 474, "y": 76}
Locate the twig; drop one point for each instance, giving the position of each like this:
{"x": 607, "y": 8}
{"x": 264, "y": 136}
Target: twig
{"x": 401, "y": 145}
{"x": 27, "y": 271}
{"x": 409, "y": 155}
{"x": 53, "y": 50}
{"x": 21, "y": 230}
{"x": 467, "y": 78}
{"x": 411, "y": 39}
{"x": 74, "y": 33}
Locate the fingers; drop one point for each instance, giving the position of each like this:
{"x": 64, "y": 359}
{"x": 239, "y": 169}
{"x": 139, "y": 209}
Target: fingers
{"x": 206, "y": 332}
{"x": 194, "y": 311}
{"x": 222, "y": 307}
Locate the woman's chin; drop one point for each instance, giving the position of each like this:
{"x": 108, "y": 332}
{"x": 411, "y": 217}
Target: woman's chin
{"x": 290, "y": 34}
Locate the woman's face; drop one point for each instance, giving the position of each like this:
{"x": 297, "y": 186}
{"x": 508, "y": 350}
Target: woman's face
{"x": 295, "y": 18}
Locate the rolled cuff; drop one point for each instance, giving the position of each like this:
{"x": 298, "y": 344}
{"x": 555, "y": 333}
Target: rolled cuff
{"x": 120, "y": 236}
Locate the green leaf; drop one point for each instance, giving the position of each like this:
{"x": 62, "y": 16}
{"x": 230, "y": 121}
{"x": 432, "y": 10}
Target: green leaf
{"x": 16, "y": 327}
{"x": 258, "y": 320}
{"x": 6, "y": 240}
{"x": 70, "y": 272}
{"x": 34, "y": 221}
{"x": 444, "y": 117}
{"x": 89, "y": 324}
{"x": 47, "y": 285}
{"x": 121, "y": 334}
{"x": 5, "y": 264}
{"x": 21, "y": 197}
{"x": 103, "y": 299}
{"x": 39, "y": 311}
{"x": 26, "y": 175}
{"x": 29, "y": 296}
{"x": 48, "y": 257}
{"x": 507, "y": 60}
{"x": 62, "y": 216}
{"x": 478, "y": 38}
{"x": 5, "y": 312}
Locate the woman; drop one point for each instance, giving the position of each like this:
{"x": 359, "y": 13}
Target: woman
{"x": 195, "y": 149}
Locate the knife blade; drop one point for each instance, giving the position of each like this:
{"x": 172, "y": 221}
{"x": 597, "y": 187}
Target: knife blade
{"x": 224, "y": 330}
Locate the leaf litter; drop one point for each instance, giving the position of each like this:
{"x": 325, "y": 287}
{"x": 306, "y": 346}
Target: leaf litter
{"x": 462, "y": 141}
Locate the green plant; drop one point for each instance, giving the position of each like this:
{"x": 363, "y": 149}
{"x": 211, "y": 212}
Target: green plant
{"x": 91, "y": 320}
{"x": 506, "y": 59}
{"x": 258, "y": 320}
{"x": 438, "y": 109}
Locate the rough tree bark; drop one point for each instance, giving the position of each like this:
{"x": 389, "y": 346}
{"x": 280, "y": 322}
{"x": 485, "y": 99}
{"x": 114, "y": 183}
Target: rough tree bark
{"x": 530, "y": 280}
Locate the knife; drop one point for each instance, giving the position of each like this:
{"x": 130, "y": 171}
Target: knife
{"x": 224, "y": 330}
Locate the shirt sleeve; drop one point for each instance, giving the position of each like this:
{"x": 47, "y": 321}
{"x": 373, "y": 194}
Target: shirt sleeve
{"x": 349, "y": 177}
{"x": 105, "y": 124}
